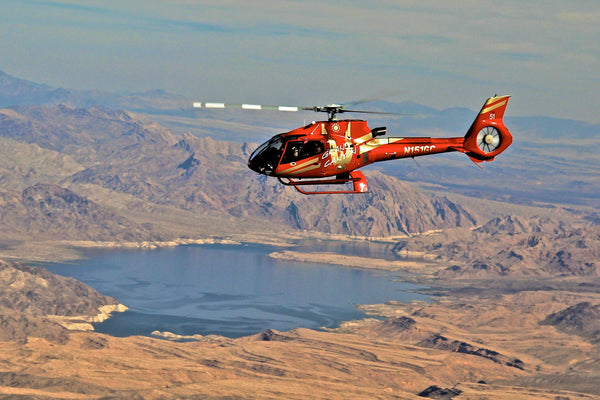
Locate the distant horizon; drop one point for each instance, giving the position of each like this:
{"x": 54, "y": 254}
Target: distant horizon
{"x": 383, "y": 99}
{"x": 543, "y": 53}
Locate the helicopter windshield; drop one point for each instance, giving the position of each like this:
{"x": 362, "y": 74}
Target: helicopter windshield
{"x": 265, "y": 158}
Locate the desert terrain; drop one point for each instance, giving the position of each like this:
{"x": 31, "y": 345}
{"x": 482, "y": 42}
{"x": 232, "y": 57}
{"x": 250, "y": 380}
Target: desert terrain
{"x": 511, "y": 259}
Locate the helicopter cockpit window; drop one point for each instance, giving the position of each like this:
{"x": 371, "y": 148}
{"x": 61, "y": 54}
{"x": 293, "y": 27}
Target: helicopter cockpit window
{"x": 265, "y": 158}
{"x": 312, "y": 148}
{"x": 293, "y": 152}
{"x": 298, "y": 150}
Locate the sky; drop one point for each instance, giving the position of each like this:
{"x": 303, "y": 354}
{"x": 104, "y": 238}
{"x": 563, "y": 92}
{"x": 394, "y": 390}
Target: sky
{"x": 442, "y": 54}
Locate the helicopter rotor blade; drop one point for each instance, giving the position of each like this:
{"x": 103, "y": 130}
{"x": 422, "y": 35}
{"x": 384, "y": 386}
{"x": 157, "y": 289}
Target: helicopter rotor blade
{"x": 330, "y": 109}
{"x": 344, "y": 110}
{"x": 249, "y": 106}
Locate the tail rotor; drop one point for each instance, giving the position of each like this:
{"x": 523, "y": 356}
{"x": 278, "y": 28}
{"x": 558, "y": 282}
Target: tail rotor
{"x": 488, "y": 136}
{"x": 488, "y": 139}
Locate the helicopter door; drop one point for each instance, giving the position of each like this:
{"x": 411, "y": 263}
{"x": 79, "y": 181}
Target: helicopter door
{"x": 293, "y": 151}
{"x": 313, "y": 148}
{"x": 299, "y": 150}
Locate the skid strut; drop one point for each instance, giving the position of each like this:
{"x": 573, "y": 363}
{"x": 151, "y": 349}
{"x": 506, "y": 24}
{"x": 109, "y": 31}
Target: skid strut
{"x": 359, "y": 183}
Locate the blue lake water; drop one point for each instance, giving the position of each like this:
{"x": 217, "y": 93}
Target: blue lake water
{"x": 229, "y": 290}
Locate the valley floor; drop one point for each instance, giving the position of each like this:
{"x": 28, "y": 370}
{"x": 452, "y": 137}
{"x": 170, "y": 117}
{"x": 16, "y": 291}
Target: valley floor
{"x": 479, "y": 339}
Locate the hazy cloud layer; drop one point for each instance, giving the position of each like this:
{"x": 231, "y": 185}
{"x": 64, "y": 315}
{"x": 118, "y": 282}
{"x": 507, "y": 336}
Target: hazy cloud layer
{"x": 442, "y": 54}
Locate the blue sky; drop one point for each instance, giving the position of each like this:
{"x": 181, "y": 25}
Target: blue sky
{"x": 443, "y": 54}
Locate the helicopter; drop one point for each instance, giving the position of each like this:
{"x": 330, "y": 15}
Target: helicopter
{"x": 330, "y": 152}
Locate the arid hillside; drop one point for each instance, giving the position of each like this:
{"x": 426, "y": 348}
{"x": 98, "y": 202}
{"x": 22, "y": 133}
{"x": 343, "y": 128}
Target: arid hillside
{"x": 36, "y": 303}
{"x": 512, "y": 246}
{"x": 95, "y": 152}
{"x": 531, "y": 344}
{"x": 510, "y": 256}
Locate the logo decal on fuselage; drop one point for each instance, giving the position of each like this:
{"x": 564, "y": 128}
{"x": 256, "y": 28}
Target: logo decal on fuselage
{"x": 338, "y": 155}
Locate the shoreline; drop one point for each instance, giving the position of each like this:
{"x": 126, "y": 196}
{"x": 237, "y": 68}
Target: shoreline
{"x": 84, "y": 322}
{"x": 419, "y": 268}
{"x": 424, "y": 267}
{"x": 482, "y": 316}
{"x": 48, "y": 251}
{"x": 57, "y": 251}
{"x": 146, "y": 245}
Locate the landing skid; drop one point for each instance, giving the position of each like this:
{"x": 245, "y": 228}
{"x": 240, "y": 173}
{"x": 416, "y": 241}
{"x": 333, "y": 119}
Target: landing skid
{"x": 356, "y": 177}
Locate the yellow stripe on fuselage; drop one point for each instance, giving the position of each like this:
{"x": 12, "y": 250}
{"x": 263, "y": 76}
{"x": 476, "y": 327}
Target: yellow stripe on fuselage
{"x": 300, "y": 171}
{"x": 298, "y": 168}
{"x": 373, "y": 144}
{"x": 364, "y": 138}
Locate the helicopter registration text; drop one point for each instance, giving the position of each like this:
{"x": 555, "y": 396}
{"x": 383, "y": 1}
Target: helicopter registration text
{"x": 419, "y": 149}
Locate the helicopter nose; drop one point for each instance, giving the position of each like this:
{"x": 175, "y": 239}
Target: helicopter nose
{"x": 257, "y": 164}
{"x": 253, "y": 165}
{"x": 261, "y": 165}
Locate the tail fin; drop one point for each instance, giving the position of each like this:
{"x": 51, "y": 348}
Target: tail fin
{"x": 488, "y": 136}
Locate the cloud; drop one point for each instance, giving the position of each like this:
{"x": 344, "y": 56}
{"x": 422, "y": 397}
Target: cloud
{"x": 275, "y": 51}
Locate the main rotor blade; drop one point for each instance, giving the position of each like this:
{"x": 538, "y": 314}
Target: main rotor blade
{"x": 249, "y": 106}
{"x": 344, "y": 110}
{"x": 331, "y": 109}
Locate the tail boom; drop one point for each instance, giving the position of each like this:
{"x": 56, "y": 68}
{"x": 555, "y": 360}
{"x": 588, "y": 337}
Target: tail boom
{"x": 486, "y": 138}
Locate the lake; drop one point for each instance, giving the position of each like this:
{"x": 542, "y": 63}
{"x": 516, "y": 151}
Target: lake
{"x": 231, "y": 290}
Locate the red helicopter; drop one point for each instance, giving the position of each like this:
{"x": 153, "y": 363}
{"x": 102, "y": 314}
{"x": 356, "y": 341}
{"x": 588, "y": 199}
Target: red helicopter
{"x": 331, "y": 152}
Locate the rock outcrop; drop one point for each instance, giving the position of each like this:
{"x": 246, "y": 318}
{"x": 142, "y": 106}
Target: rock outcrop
{"x": 34, "y": 302}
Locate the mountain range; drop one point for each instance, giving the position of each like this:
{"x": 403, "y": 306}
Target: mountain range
{"x": 567, "y": 148}
{"x": 111, "y": 150}
{"x": 94, "y": 173}
{"x": 516, "y": 248}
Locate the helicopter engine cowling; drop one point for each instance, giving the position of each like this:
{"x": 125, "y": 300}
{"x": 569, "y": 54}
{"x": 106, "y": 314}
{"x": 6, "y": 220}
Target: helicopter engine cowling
{"x": 379, "y": 131}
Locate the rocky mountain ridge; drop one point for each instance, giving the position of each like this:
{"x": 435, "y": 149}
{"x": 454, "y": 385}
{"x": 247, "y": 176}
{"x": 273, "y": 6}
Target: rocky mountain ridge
{"x": 49, "y": 210}
{"x": 33, "y": 301}
{"x": 76, "y": 160}
{"x": 109, "y": 174}
{"x": 114, "y": 151}
{"x": 515, "y": 246}
{"x": 525, "y": 174}
{"x": 582, "y": 319}
{"x": 16, "y": 91}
